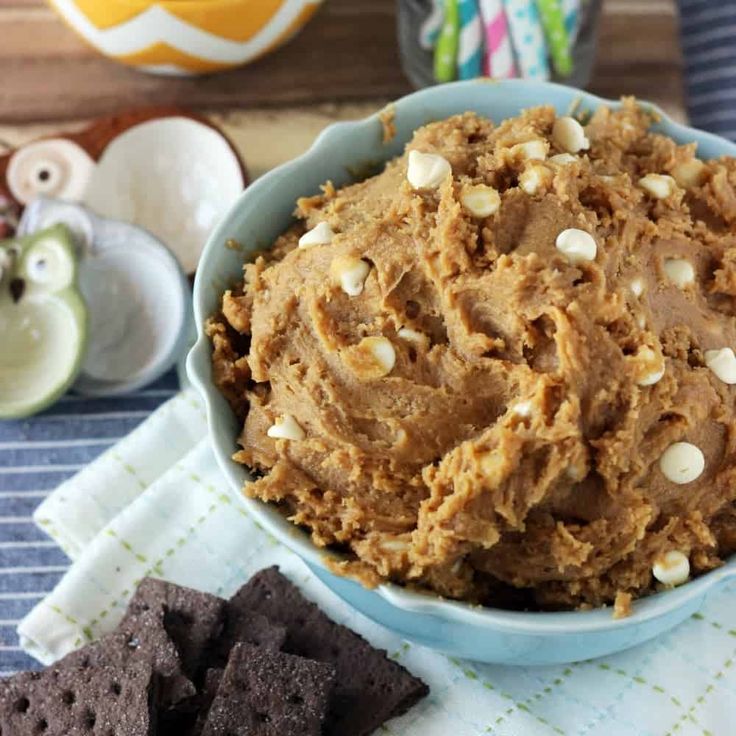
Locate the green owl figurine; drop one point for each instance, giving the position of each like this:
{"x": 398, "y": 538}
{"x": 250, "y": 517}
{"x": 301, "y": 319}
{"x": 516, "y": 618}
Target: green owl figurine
{"x": 43, "y": 321}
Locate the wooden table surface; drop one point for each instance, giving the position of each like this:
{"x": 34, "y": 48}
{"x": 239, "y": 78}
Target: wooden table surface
{"x": 344, "y": 64}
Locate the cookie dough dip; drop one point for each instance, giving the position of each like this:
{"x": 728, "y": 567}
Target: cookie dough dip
{"x": 502, "y": 369}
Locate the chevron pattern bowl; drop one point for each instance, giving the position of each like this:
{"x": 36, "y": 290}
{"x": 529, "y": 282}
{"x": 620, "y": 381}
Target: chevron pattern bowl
{"x": 185, "y": 37}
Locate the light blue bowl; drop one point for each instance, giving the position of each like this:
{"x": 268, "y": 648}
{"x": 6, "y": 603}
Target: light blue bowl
{"x": 263, "y": 212}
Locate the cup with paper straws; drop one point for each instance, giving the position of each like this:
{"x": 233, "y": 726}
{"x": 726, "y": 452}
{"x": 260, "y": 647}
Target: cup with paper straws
{"x": 444, "y": 40}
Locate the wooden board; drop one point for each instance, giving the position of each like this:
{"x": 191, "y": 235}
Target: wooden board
{"x": 348, "y": 52}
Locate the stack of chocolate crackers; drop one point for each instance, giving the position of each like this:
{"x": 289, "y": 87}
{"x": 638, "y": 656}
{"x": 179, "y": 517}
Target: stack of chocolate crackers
{"x": 184, "y": 663}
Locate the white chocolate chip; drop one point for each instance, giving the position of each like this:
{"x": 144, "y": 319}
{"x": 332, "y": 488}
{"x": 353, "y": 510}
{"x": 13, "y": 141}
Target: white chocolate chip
{"x": 419, "y": 338}
{"x": 562, "y": 159}
{"x": 523, "y": 408}
{"x": 319, "y": 235}
{"x": 659, "y": 186}
{"x": 350, "y": 272}
{"x": 427, "y": 170}
{"x": 651, "y": 378}
{"x": 534, "y": 178}
{"x": 672, "y": 568}
{"x": 679, "y": 271}
{"x": 481, "y": 200}
{"x": 650, "y": 366}
{"x": 491, "y": 462}
{"x": 395, "y": 545}
{"x": 682, "y": 463}
{"x": 382, "y": 351}
{"x": 286, "y": 428}
{"x": 577, "y": 472}
{"x": 569, "y": 135}
{"x": 577, "y": 245}
{"x": 641, "y": 320}
{"x": 530, "y": 150}
{"x": 723, "y": 364}
{"x": 689, "y": 173}
{"x": 637, "y": 287}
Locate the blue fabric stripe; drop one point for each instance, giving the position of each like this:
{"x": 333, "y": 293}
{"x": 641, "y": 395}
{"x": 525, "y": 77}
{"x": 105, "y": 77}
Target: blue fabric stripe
{"x": 708, "y": 31}
{"x": 54, "y": 428}
{"x": 20, "y": 532}
{"x": 32, "y": 557}
{"x": 58, "y": 455}
{"x": 704, "y": 61}
{"x": 28, "y": 582}
{"x": 43, "y": 476}
{"x": 28, "y": 565}
{"x": 12, "y": 611}
{"x": 22, "y": 506}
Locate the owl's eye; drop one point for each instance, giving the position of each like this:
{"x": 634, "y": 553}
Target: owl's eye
{"x": 5, "y": 263}
{"x": 46, "y": 176}
{"x": 47, "y": 264}
{"x": 39, "y": 269}
{"x": 56, "y": 167}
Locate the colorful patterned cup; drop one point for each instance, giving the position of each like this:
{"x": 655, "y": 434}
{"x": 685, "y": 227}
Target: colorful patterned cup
{"x": 185, "y": 37}
{"x": 535, "y": 39}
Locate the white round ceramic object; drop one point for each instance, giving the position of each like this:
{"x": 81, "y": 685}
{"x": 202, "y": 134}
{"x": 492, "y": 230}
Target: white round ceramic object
{"x": 139, "y": 307}
{"x": 173, "y": 176}
{"x": 136, "y": 293}
{"x": 43, "y": 212}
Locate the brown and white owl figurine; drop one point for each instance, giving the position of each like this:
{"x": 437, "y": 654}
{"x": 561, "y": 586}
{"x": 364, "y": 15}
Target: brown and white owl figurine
{"x": 163, "y": 169}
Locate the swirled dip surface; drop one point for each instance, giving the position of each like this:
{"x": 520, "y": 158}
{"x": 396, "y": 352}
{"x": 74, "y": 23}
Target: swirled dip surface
{"x": 504, "y": 370}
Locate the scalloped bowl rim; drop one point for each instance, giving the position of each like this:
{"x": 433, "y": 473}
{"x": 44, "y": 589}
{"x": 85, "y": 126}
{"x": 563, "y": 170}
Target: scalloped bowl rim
{"x": 199, "y": 369}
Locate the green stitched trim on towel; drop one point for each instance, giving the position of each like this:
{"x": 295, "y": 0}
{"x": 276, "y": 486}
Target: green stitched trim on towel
{"x": 127, "y": 546}
{"x": 128, "y": 468}
{"x": 524, "y": 706}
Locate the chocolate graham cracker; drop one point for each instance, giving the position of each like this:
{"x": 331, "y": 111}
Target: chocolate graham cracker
{"x": 268, "y": 693}
{"x": 249, "y": 627}
{"x": 141, "y": 679}
{"x": 370, "y": 688}
{"x": 212, "y": 680}
{"x": 142, "y": 639}
{"x": 189, "y": 719}
{"x": 191, "y": 618}
{"x": 69, "y": 700}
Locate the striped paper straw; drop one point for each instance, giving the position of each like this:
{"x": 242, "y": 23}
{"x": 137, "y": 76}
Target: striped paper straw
{"x": 470, "y": 50}
{"x": 571, "y": 11}
{"x": 445, "y": 52}
{"x": 499, "y": 55}
{"x": 553, "y": 22}
{"x": 430, "y": 30}
{"x": 527, "y": 37}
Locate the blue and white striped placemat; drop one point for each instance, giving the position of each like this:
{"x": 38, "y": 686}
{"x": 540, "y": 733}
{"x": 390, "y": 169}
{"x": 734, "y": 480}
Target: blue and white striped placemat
{"x": 36, "y": 455}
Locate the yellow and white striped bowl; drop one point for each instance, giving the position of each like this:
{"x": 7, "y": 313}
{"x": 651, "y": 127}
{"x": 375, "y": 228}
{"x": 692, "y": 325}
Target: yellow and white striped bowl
{"x": 185, "y": 36}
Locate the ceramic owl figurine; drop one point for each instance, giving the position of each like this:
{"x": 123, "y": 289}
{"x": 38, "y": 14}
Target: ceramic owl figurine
{"x": 43, "y": 321}
{"x": 122, "y": 189}
{"x": 140, "y": 167}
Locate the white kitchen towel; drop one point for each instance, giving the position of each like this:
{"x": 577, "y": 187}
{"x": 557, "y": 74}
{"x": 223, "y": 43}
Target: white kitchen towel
{"x": 189, "y": 528}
